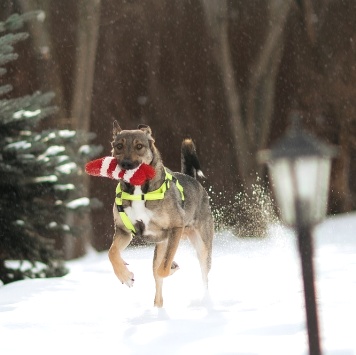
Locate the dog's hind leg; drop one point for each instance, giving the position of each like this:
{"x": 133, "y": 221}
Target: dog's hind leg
{"x": 165, "y": 268}
{"x": 163, "y": 264}
{"x": 203, "y": 248}
{"x": 157, "y": 259}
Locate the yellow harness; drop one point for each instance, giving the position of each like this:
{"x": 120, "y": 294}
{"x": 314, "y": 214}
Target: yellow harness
{"x": 149, "y": 196}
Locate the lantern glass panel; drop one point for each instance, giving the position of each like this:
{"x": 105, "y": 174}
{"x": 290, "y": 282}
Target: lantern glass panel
{"x": 322, "y": 191}
{"x": 301, "y": 183}
{"x": 281, "y": 173}
{"x": 306, "y": 179}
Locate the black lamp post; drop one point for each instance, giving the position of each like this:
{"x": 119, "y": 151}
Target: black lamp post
{"x": 299, "y": 165}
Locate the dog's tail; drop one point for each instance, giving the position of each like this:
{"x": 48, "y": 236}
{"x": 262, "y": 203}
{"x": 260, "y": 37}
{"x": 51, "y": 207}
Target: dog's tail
{"x": 189, "y": 160}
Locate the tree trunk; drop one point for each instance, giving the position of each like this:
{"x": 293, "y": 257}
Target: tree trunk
{"x": 87, "y": 40}
{"x": 216, "y": 13}
{"x": 262, "y": 83}
{"x": 249, "y": 131}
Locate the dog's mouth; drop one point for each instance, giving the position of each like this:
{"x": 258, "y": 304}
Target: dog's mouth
{"x": 128, "y": 164}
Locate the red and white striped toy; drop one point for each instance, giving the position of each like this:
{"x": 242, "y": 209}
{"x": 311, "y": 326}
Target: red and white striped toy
{"x": 108, "y": 167}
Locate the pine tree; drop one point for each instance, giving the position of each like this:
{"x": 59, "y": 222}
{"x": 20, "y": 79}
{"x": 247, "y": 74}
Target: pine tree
{"x": 37, "y": 171}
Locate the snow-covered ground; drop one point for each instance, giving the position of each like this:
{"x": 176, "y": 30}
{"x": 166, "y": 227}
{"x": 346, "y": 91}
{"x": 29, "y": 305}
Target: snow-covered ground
{"x": 255, "y": 306}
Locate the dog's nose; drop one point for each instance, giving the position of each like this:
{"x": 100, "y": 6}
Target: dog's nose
{"x": 127, "y": 164}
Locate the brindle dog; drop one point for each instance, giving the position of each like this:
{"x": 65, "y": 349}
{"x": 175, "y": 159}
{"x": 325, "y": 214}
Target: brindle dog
{"x": 163, "y": 222}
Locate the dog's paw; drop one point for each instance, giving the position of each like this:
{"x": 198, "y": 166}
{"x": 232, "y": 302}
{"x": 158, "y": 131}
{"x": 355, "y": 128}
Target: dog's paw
{"x": 164, "y": 271}
{"x": 174, "y": 267}
{"x": 130, "y": 282}
{"x": 127, "y": 278}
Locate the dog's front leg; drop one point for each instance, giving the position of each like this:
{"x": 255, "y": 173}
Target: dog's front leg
{"x": 120, "y": 242}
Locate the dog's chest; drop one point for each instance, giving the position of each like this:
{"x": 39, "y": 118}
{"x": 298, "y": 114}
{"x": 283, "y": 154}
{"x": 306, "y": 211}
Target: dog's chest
{"x": 138, "y": 211}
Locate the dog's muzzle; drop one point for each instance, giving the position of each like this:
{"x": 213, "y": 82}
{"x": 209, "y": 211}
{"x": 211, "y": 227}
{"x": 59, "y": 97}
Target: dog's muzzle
{"x": 128, "y": 164}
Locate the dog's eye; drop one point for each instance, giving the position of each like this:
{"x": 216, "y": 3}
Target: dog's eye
{"x": 139, "y": 146}
{"x": 119, "y": 146}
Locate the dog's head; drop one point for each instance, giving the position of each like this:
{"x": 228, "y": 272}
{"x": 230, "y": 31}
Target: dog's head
{"x": 132, "y": 147}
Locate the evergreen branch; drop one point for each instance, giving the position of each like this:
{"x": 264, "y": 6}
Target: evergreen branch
{"x": 16, "y": 21}
{"x": 11, "y": 39}
{"x": 8, "y": 58}
{"x": 33, "y": 107}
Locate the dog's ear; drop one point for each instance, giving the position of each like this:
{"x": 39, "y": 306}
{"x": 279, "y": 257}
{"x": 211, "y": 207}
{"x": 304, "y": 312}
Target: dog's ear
{"x": 116, "y": 129}
{"x": 147, "y": 130}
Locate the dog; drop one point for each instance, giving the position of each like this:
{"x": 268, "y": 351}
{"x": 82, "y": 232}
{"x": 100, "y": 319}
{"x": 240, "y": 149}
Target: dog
{"x": 184, "y": 211}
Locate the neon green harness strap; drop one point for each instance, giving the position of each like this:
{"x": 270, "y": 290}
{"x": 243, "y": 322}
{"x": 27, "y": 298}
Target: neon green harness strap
{"x": 149, "y": 196}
